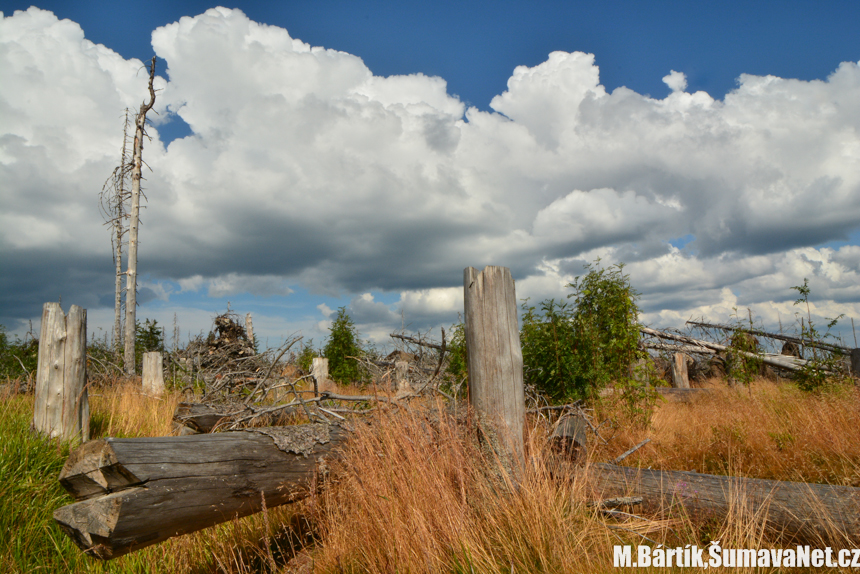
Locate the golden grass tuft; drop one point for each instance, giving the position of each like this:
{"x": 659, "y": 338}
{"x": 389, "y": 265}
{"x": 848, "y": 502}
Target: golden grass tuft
{"x": 769, "y": 430}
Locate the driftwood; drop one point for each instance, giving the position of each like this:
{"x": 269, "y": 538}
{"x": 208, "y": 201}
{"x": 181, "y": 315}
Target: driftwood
{"x": 136, "y": 492}
{"x": 806, "y": 512}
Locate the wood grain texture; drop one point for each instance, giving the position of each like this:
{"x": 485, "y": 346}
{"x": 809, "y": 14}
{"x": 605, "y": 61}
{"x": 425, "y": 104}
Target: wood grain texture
{"x": 136, "y": 492}
{"x": 495, "y": 360}
{"x": 61, "y": 406}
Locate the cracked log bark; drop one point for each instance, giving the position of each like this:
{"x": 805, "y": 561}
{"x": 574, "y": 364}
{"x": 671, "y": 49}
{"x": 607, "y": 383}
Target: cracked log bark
{"x": 136, "y": 492}
{"x": 813, "y": 513}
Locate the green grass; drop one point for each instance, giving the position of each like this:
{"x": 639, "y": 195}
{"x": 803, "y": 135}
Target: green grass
{"x": 29, "y": 492}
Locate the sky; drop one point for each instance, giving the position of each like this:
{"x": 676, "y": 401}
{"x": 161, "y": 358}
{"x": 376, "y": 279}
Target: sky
{"x": 307, "y": 156}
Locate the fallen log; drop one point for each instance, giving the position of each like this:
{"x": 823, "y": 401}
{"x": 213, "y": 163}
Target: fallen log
{"x": 781, "y": 361}
{"x": 813, "y": 513}
{"x": 136, "y": 492}
{"x": 777, "y": 336}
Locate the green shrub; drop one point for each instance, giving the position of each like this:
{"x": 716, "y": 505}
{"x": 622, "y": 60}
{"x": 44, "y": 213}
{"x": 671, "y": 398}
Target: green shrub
{"x": 457, "y": 370}
{"x": 305, "y": 359}
{"x": 342, "y": 346}
{"x": 573, "y": 349}
{"x": 822, "y": 367}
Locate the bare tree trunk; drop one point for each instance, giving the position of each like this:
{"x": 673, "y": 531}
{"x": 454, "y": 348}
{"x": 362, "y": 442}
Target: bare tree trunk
{"x": 495, "y": 362}
{"x": 131, "y": 275}
{"x": 119, "y": 213}
{"x": 62, "y": 408}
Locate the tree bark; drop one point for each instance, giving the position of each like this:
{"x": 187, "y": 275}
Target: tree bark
{"x": 136, "y": 492}
{"x": 495, "y": 361}
{"x": 62, "y": 406}
{"x": 814, "y": 513}
{"x": 131, "y": 274}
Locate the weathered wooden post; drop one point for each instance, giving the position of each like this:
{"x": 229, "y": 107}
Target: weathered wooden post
{"x": 153, "y": 374}
{"x": 401, "y": 368}
{"x": 680, "y": 377}
{"x": 62, "y": 407}
{"x": 319, "y": 371}
{"x": 495, "y": 361}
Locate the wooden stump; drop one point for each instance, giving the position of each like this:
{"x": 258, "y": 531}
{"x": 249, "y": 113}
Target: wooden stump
{"x": 401, "y": 368}
{"x": 680, "y": 377}
{"x": 132, "y": 493}
{"x": 62, "y": 407}
{"x": 153, "y": 374}
{"x": 319, "y": 370}
{"x": 495, "y": 362}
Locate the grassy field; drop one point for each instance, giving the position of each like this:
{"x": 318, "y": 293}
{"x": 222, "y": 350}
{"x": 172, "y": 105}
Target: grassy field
{"x": 413, "y": 493}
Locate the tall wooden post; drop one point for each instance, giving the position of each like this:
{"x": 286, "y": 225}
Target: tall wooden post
{"x": 62, "y": 408}
{"x": 495, "y": 361}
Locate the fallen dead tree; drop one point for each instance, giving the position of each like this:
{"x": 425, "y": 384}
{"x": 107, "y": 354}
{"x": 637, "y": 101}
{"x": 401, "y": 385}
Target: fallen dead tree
{"x": 777, "y": 336}
{"x": 132, "y": 493}
{"x": 806, "y": 512}
{"x": 690, "y": 345}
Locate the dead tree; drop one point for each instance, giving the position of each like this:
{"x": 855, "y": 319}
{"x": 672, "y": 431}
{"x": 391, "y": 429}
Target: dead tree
{"x": 131, "y": 274}
{"x": 112, "y": 202}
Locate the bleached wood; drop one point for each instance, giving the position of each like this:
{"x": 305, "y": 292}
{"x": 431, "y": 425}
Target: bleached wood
{"x": 62, "y": 407}
{"x": 134, "y": 223}
{"x": 680, "y": 377}
{"x": 153, "y": 374}
{"x": 401, "y": 368}
{"x": 495, "y": 361}
{"x": 319, "y": 370}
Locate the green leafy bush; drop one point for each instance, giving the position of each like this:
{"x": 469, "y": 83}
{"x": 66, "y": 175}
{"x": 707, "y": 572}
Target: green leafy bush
{"x": 305, "y": 359}
{"x": 573, "y": 349}
{"x": 343, "y": 344}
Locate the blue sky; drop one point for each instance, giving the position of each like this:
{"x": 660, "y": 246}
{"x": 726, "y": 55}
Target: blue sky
{"x": 710, "y": 146}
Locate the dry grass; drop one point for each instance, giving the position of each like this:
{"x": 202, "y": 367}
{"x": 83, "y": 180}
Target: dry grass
{"x": 415, "y": 493}
{"x": 122, "y": 410}
{"x": 767, "y": 431}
